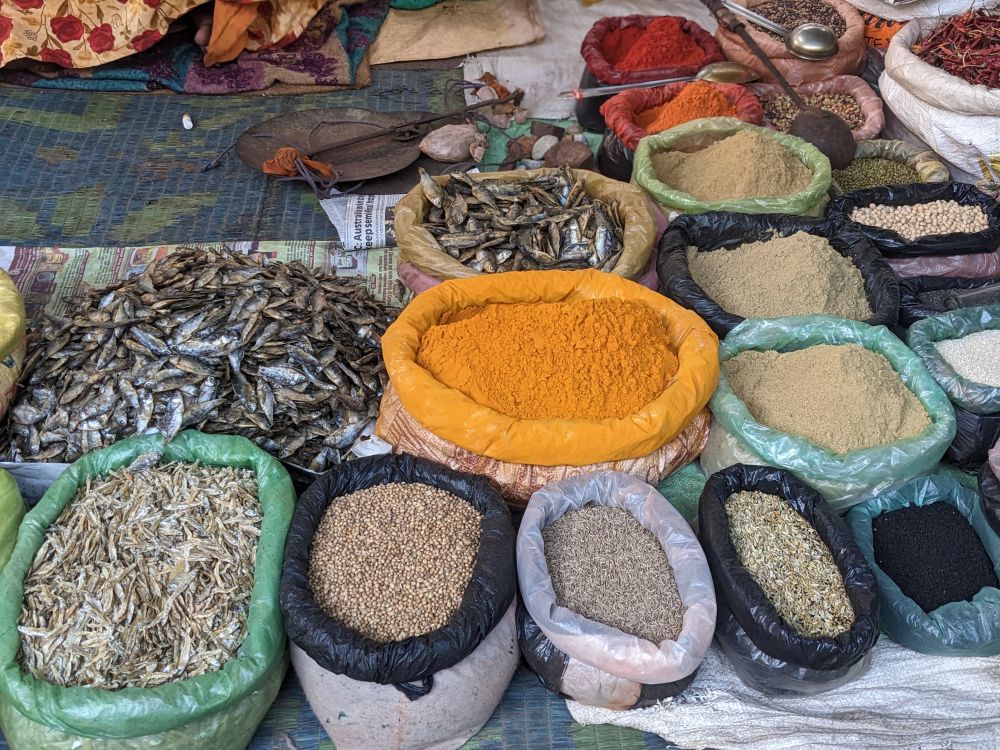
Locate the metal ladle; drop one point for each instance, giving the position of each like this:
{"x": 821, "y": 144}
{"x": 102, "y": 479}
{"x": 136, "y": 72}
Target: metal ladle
{"x": 720, "y": 72}
{"x": 824, "y": 130}
{"x": 809, "y": 41}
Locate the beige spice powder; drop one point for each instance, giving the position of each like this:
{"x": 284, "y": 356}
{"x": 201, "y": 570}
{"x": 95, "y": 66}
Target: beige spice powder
{"x": 840, "y": 397}
{"x": 744, "y": 165}
{"x": 800, "y": 274}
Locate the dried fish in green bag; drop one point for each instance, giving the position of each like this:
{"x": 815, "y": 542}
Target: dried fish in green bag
{"x": 219, "y": 710}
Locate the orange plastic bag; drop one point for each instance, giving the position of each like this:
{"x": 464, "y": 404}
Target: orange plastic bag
{"x": 850, "y": 60}
{"x": 451, "y": 415}
{"x": 420, "y": 249}
{"x": 518, "y": 482}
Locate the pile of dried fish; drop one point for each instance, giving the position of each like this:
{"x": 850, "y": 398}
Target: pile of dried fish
{"x": 544, "y": 222}
{"x": 144, "y": 578}
{"x": 219, "y": 342}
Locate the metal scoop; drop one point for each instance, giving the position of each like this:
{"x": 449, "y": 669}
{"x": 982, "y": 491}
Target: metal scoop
{"x": 810, "y": 41}
{"x": 720, "y": 72}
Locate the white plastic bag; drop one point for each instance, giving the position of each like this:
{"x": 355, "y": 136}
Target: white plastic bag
{"x": 609, "y": 661}
{"x": 959, "y": 120}
{"x": 904, "y": 10}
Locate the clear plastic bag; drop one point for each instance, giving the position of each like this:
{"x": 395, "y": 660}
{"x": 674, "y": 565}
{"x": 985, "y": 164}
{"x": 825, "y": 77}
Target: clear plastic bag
{"x": 613, "y": 664}
{"x": 954, "y": 629}
{"x": 852, "y": 86}
{"x": 846, "y": 479}
{"x": 922, "y": 337}
{"x": 972, "y": 265}
{"x": 699, "y": 134}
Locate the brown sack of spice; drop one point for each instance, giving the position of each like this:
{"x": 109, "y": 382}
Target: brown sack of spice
{"x": 518, "y": 482}
{"x": 850, "y": 60}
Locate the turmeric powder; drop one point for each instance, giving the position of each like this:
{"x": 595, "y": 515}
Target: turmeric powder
{"x": 697, "y": 99}
{"x": 590, "y": 359}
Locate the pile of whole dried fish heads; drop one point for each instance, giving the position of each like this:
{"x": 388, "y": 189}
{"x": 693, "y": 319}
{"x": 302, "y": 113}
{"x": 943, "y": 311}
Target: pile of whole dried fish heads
{"x": 546, "y": 221}
{"x": 216, "y": 341}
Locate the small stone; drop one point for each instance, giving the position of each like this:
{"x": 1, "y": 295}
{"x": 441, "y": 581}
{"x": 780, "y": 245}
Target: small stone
{"x": 570, "y": 154}
{"x": 187, "y": 122}
{"x": 486, "y": 94}
{"x": 543, "y": 128}
{"x": 542, "y": 146}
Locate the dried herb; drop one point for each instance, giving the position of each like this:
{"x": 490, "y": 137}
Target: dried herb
{"x": 790, "y": 561}
{"x": 967, "y": 46}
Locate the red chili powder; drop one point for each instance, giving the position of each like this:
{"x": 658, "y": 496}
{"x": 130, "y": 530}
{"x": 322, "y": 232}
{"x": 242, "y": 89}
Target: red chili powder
{"x": 662, "y": 43}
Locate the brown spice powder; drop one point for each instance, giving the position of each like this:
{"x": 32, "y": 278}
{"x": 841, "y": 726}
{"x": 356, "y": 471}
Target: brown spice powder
{"x": 842, "y": 398}
{"x": 796, "y": 275}
{"x": 744, "y": 165}
{"x": 591, "y": 359}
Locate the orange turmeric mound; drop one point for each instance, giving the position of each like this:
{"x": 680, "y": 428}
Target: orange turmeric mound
{"x": 592, "y": 359}
{"x": 697, "y": 99}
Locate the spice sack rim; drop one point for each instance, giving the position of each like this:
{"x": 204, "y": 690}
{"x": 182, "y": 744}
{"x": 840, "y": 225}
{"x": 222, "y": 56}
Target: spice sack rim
{"x": 451, "y": 415}
{"x": 601, "y": 646}
{"x": 952, "y": 628}
{"x": 800, "y": 455}
{"x": 922, "y": 337}
{"x": 881, "y": 286}
{"x": 339, "y": 648}
{"x": 639, "y": 230}
{"x": 713, "y": 130}
{"x": 757, "y": 615}
{"x": 622, "y": 109}
{"x": 893, "y": 244}
{"x": 134, "y": 711}
{"x": 591, "y": 50}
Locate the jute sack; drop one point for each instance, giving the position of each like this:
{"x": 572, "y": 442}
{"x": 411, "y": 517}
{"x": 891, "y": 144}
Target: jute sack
{"x": 518, "y": 482}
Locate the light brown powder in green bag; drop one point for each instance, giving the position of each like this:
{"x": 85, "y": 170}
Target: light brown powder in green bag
{"x": 796, "y": 275}
{"x": 744, "y": 165}
{"x": 840, "y": 397}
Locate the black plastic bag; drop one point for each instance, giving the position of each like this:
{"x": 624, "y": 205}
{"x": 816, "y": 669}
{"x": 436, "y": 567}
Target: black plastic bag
{"x": 588, "y": 111}
{"x": 774, "y": 676}
{"x": 892, "y": 244}
{"x": 975, "y": 434}
{"x": 549, "y": 662}
{"x": 710, "y": 231}
{"x": 746, "y": 599}
{"x": 614, "y": 158}
{"x": 408, "y": 664}
{"x": 923, "y": 296}
{"x": 989, "y": 490}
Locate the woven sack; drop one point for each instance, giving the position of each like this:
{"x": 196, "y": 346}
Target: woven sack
{"x": 852, "y": 86}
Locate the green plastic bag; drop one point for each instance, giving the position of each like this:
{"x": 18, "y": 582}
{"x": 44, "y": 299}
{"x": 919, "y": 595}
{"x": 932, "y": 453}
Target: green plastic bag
{"x": 11, "y": 513}
{"x": 216, "y": 711}
{"x": 954, "y": 629}
{"x": 412, "y": 4}
{"x": 698, "y": 134}
{"x": 844, "y": 479}
{"x": 924, "y": 334}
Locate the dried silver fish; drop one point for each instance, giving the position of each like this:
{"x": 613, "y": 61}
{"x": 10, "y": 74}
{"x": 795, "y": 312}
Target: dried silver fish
{"x": 215, "y": 341}
{"x": 145, "y": 578}
{"x": 545, "y": 222}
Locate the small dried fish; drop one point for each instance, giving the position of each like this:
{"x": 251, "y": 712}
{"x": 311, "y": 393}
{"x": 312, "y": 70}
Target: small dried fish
{"x": 206, "y": 340}
{"x": 144, "y": 579}
{"x": 545, "y": 222}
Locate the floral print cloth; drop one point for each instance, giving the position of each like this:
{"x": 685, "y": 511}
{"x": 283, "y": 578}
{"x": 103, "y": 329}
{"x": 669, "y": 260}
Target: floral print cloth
{"x": 329, "y": 52}
{"x": 85, "y": 33}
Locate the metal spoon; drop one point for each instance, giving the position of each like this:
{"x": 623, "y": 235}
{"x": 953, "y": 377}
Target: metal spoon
{"x": 720, "y": 72}
{"x": 809, "y": 41}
